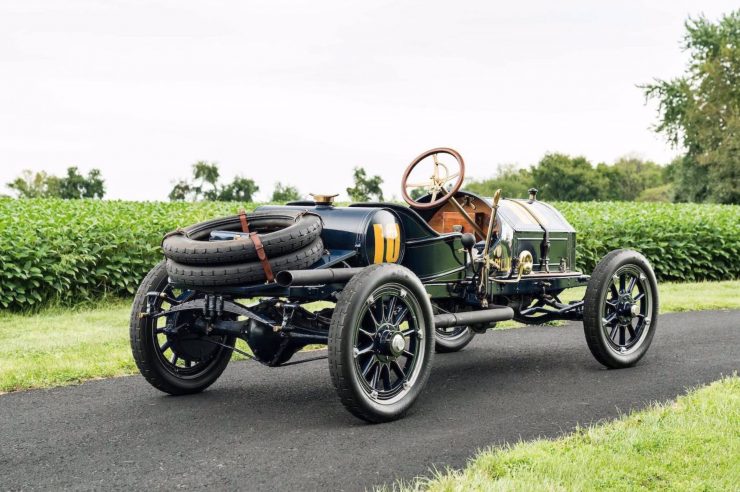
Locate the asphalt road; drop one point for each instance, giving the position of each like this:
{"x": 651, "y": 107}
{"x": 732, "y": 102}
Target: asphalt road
{"x": 284, "y": 429}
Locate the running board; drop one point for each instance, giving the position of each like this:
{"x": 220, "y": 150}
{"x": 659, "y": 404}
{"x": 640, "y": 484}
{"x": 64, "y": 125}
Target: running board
{"x": 468, "y": 318}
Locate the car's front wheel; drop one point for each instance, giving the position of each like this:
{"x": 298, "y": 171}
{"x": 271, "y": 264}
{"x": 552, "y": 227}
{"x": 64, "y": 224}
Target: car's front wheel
{"x": 381, "y": 342}
{"x": 620, "y": 312}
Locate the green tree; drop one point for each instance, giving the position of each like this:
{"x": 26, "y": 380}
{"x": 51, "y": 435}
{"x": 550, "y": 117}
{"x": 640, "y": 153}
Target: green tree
{"x": 181, "y": 191}
{"x": 35, "y": 185}
{"x": 285, "y": 193}
{"x": 239, "y": 190}
{"x": 206, "y": 173}
{"x": 662, "y": 193}
{"x": 365, "y": 187}
{"x": 512, "y": 181}
{"x": 700, "y": 111}
{"x": 205, "y": 186}
{"x": 690, "y": 181}
{"x": 628, "y": 177}
{"x": 72, "y": 186}
{"x": 565, "y": 178}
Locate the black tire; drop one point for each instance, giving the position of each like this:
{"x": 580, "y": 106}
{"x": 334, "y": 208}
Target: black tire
{"x": 280, "y": 233}
{"x": 352, "y": 319}
{"x": 149, "y": 359}
{"x": 454, "y": 338}
{"x": 242, "y": 273}
{"x": 619, "y": 325}
{"x": 448, "y": 340}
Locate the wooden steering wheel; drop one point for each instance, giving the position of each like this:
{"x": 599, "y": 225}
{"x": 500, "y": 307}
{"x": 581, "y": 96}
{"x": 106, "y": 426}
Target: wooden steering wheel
{"x": 442, "y": 184}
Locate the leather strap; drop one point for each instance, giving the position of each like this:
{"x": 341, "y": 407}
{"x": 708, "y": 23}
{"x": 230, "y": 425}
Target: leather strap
{"x": 258, "y": 246}
{"x": 243, "y": 220}
{"x": 262, "y": 256}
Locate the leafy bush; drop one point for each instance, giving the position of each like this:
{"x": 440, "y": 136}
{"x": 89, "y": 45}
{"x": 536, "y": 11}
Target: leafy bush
{"x": 80, "y": 250}
{"x": 684, "y": 242}
{"x": 70, "y": 251}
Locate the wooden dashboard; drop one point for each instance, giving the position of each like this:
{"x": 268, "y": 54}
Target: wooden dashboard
{"x": 449, "y": 217}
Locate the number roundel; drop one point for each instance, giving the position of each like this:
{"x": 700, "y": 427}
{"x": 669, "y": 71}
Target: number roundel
{"x": 384, "y": 241}
{"x": 387, "y": 243}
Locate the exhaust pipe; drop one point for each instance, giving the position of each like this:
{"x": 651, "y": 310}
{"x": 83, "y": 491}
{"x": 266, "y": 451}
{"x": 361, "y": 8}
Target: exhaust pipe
{"x": 480, "y": 317}
{"x": 288, "y": 278}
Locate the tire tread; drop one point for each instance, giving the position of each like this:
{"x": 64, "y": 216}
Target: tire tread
{"x": 592, "y": 299}
{"x": 145, "y": 361}
{"x": 339, "y": 374}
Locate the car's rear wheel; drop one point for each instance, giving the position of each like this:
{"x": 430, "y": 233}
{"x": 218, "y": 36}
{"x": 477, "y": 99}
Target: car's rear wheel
{"x": 169, "y": 355}
{"x": 620, "y": 310}
{"x": 452, "y": 339}
{"x": 381, "y": 342}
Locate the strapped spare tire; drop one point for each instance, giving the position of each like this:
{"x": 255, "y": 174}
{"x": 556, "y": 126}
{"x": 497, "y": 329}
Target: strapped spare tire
{"x": 242, "y": 273}
{"x": 281, "y": 233}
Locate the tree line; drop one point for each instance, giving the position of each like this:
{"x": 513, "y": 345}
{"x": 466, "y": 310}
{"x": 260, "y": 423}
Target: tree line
{"x": 558, "y": 176}
{"x": 73, "y": 185}
{"x": 205, "y": 184}
{"x": 574, "y": 179}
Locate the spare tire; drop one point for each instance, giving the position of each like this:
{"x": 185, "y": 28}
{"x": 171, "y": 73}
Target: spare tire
{"x": 242, "y": 273}
{"x": 281, "y": 233}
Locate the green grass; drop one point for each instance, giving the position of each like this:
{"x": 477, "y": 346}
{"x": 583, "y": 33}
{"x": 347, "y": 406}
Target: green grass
{"x": 690, "y": 444}
{"x": 680, "y": 297}
{"x": 674, "y": 298}
{"x": 63, "y": 346}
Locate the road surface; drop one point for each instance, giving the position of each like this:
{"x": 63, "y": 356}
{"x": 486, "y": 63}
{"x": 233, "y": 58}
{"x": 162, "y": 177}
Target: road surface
{"x": 269, "y": 429}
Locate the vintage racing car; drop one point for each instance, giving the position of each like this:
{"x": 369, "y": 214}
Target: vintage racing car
{"x": 383, "y": 285}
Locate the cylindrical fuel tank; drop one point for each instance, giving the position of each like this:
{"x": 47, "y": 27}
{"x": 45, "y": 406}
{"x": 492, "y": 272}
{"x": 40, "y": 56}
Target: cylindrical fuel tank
{"x": 375, "y": 233}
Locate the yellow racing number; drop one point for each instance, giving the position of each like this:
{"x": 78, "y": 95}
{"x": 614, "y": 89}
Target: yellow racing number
{"x": 387, "y": 242}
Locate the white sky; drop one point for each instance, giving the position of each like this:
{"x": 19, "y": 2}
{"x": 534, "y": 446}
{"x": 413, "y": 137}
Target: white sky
{"x": 301, "y": 92}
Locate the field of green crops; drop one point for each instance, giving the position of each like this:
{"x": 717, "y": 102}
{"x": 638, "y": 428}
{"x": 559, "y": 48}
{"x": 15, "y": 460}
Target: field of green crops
{"x": 57, "y": 251}
{"x": 69, "y": 251}
{"x": 684, "y": 242}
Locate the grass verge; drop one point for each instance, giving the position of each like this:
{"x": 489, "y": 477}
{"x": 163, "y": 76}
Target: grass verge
{"x": 690, "y": 444}
{"x": 681, "y": 297}
{"x": 66, "y": 346}
{"x": 63, "y": 346}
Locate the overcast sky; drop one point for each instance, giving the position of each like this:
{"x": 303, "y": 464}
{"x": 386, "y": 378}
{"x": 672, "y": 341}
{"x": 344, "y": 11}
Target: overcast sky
{"x": 301, "y": 92}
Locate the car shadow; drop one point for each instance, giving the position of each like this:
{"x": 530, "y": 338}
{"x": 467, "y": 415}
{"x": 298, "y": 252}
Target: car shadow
{"x": 304, "y": 392}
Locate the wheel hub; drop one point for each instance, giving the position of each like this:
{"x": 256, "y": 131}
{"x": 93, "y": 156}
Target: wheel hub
{"x": 191, "y": 347}
{"x": 391, "y": 343}
{"x": 185, "y": 340}
{"x": 626, "y": 309}
{"x": 397, "y": 344}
